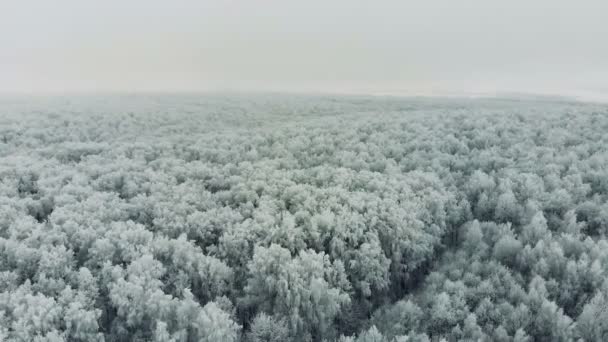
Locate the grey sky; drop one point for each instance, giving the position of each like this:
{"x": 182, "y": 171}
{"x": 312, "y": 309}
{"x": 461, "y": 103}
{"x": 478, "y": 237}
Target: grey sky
{"x": 406, "y": 47}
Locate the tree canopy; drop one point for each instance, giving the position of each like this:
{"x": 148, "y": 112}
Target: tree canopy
{"x": 292, "y": 218}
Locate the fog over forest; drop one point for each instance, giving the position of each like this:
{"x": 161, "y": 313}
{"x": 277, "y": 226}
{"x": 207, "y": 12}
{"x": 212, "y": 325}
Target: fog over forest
{"x": 302, "y": 218}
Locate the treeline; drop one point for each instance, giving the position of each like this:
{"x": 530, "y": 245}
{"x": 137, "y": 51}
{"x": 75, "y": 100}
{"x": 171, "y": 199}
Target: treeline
{"x": 275, "y": 218}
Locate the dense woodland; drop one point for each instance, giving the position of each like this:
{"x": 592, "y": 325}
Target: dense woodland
{"x": 290, "y": 218}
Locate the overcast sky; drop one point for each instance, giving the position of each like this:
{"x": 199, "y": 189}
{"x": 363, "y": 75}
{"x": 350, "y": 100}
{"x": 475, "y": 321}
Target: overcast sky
{"x": 405, "y": 47}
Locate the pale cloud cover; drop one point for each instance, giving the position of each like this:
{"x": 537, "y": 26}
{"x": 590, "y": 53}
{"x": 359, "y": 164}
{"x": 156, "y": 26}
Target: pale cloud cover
{"x": 396, "y": 47}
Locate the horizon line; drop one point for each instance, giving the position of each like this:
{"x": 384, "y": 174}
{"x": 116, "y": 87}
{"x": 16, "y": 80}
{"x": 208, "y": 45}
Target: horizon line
{"x": 586, "y": 97}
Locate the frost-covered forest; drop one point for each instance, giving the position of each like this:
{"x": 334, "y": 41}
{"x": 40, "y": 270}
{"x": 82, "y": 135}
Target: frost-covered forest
{"x": 292, "y": 218}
